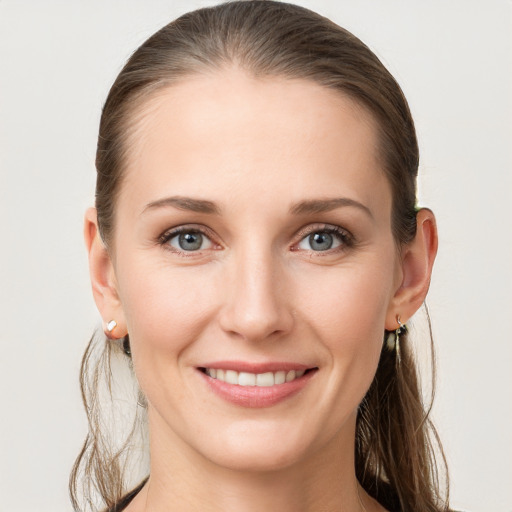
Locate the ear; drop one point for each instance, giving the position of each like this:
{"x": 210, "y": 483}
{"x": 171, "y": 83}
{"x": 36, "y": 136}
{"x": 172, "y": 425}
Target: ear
{"x": 417, "y": 260}
{"x": 103, "y": 281}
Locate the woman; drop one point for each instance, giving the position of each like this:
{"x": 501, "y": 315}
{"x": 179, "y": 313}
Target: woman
{"x": 256, "y": 251}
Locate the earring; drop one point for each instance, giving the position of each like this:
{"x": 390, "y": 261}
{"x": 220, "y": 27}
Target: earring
{"x": 126, "y": 346}
{"x": 393, "y": 339}
{"x": 111, "y": 325}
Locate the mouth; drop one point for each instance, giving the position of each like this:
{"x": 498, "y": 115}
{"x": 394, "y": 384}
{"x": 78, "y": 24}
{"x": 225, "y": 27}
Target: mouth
{"x": 265, "y": 386}
{"x": 264, "y": 380}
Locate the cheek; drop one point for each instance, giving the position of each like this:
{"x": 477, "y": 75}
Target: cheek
{"x": 347, "y": 309}
{"x": 349, "y": 300}
{"x": 166, "y": 311}
{"x": 166, "y": 307}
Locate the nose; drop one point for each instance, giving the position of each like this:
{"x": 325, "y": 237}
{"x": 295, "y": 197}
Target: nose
{"x": 257, "y": 306}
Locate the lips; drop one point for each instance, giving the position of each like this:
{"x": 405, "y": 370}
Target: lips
{"x": 256, "y": 385}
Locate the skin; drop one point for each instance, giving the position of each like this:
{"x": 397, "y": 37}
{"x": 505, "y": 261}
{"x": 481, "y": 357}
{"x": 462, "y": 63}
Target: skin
{"x": 257, "y": 290}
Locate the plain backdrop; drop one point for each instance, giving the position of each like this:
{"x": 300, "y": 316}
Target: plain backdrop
{"x": 453, "y": 59}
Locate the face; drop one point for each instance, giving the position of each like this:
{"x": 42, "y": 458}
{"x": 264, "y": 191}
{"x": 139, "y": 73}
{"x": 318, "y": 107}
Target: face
{"x": 255, "y": 266}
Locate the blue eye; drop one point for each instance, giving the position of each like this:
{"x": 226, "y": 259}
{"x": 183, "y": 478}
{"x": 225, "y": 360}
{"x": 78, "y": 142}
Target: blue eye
{"x": 323, "y": 240}
{"x": 189, "y": 241}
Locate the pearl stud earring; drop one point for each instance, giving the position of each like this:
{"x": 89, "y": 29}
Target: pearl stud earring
{"x": 111, "y": 325}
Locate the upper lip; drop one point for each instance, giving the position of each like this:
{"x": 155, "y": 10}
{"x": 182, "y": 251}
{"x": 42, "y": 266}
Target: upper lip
{"x": 244, "y": 366}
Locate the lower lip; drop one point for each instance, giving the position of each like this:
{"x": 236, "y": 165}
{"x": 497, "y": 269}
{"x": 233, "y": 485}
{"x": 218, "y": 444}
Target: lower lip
{"x": 256, "y": 396}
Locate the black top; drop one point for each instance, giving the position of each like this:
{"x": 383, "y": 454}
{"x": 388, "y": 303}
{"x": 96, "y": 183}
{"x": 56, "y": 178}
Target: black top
{"x": 125, "y": 500}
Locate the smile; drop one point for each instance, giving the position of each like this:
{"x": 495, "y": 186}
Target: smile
{"x": 265, "y": 386}
{"x": 266, "y": 379}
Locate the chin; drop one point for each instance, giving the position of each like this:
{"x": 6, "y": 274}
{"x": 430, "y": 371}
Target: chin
{"x": 257, "y": 457}
{"x": 254, "y": 446}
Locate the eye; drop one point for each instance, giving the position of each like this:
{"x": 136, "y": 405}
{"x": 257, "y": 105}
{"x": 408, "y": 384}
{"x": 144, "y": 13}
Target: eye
{"x": 325, "y": 239}
{"x": 187, "y": 240}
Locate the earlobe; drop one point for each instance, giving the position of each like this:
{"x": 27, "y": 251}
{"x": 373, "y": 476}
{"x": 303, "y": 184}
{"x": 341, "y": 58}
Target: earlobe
{"x": 417, "y": 261}
{"x": 104, "y": 287}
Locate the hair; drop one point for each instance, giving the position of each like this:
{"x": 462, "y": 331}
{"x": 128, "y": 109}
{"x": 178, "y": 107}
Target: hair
{"x": 396, "y": 444}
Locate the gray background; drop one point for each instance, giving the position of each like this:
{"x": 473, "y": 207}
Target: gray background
{"x": 57, "y": 60}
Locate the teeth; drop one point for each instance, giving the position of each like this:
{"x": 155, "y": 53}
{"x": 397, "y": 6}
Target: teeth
{"x": 266, "y": 379}
{"x": 246, "y": 379}
{"x": 280, "y": 377}
{"x": 231, "y": 377}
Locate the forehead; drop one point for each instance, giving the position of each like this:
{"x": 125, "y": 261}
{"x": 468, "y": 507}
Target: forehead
{"x": 226, "y": 134}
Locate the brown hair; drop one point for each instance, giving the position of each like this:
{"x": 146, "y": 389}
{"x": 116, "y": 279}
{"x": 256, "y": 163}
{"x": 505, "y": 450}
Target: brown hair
{"x": 395, "y": 441}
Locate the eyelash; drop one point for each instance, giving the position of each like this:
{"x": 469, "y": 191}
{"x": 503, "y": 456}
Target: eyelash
{"x": 345, "y": 238}
{"x": 165, "y": 237}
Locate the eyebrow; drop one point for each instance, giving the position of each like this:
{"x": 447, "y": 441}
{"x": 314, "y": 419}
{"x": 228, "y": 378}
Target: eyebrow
{"x": 307, "y": 207}
{"x": 313, "y": 206}
{"x": 185, "y": 203}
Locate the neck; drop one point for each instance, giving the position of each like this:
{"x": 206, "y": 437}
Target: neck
{"x": 183, "y": 480}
